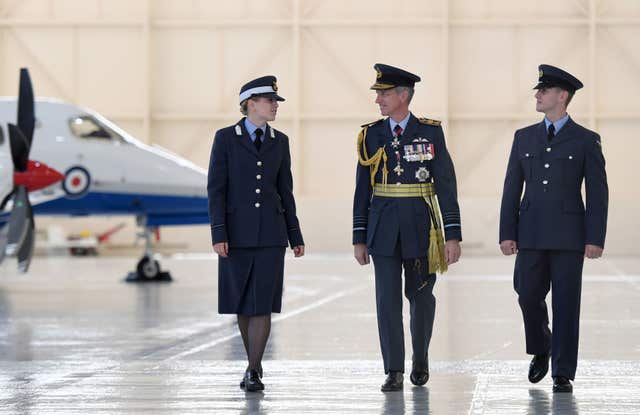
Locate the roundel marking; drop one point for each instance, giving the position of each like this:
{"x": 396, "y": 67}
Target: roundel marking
{"x": 76, "y": 181}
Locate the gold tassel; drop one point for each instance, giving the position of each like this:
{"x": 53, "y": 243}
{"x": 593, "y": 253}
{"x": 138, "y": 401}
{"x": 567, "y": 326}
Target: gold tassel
{"x": 437, "y": 260}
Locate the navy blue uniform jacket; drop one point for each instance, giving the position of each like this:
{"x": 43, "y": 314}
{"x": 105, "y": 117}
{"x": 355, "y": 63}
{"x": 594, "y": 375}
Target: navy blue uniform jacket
{"x": 381, "y": 221}
{"x": 251, "y": 201}
{"x": 552, "y": 214}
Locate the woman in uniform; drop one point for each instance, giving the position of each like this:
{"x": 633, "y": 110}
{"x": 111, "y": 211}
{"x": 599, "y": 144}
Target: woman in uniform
{"x": 253, "y": 218}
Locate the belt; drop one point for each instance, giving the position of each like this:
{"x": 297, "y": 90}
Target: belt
{"x": 427, "y": 192}
{"x": 422, "y": 190}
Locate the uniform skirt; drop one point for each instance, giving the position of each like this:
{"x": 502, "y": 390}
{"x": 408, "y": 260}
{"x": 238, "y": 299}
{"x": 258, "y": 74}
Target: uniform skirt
{"x": 250, "y": 281}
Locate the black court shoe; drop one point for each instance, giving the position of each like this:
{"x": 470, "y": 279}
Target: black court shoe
{"x": 252, "y": 382}
{"x": 393, "y": 382}
{"x": 420, "y": 373}
{"x": 562, "y": 384}
{"x": 538, "y": 367}
{"x": 259, "y": 373}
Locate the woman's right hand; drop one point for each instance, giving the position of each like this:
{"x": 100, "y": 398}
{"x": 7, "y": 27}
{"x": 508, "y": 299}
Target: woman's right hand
{"x": 221, "y": 248}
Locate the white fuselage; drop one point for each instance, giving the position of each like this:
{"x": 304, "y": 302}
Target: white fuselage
{"x": 101, "y": 159}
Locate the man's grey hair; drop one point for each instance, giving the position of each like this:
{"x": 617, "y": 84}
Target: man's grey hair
{"x": 409, "y": 89}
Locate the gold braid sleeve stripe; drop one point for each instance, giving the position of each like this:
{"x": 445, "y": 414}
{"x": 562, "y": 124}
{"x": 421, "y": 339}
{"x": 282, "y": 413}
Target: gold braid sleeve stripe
{"x": 372, "y": 162}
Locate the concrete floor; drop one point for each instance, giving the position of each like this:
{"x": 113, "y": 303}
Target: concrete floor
{"x": 75, "y": 339}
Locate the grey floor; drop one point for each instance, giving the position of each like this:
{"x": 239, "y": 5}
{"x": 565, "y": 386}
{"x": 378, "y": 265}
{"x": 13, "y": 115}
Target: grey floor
{"x": 74, "y": 339}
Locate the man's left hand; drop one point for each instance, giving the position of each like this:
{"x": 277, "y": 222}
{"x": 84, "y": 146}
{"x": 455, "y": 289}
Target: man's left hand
{"x": 452, "y": 251}
{"x": 298, "y": 251}
{"x": 593, "y": 251}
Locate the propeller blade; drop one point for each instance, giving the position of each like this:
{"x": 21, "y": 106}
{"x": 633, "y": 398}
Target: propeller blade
{"x": 26, "y": 111}
{"x": 19, "y": 221}
{"x": 19, "y": 148}
{"x": 26, "y": 250}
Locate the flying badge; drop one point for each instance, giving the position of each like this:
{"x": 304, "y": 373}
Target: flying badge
{"x": 420, "y": 140}
{"x": 238, "y": 130}
{"x": 422, "y": 174}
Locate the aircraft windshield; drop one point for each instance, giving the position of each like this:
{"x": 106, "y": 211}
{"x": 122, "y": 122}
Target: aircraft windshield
{"x": 88, "y": 127}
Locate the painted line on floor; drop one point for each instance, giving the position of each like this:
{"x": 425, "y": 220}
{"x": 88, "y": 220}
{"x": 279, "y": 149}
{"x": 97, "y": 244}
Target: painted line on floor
{"x": 279, "y": 318}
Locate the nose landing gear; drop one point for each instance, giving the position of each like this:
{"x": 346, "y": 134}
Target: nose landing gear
{"x": 148, "y": 268}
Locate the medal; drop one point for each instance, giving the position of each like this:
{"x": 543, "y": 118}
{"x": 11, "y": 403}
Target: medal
{"x": 398, "y": 169}
{"x": 431, "y": 152}
{"x": 395, "y": 143}
{"x": 422, "y": 174}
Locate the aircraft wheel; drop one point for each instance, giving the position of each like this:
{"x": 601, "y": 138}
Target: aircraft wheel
{"x": 148, "y": 268}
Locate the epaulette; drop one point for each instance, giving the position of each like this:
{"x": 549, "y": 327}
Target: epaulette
{"x": 429, "y": 121}
{"x": 369, "y": 124}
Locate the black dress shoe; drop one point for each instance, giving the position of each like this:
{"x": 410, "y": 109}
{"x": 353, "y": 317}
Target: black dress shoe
{"x": 393, "y": 382}
{"x": 252, "y": 382}
{"x": 538, "y": 367}
{"x": 562, "y": 384}
{"x": 420, "y": 373}
{"x": 259, "y": 373}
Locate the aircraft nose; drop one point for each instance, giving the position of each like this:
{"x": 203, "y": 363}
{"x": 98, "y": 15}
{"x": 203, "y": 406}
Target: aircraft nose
{"x": 37, "y": 176}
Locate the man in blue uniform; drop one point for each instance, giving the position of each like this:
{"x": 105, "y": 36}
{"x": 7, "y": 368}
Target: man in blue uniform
{"x": 404, "y": 172}
{"x": 549, "y": 227}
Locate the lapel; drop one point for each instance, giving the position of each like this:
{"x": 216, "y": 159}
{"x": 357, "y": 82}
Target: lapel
{"x": 383, "y": 137}
{"x": 245, "y": 140}
{"x": 565, "y": 132}
{"x": 409, "y": 132}
{"x": 269, "y": 139}
{"x": 541, "y": 134}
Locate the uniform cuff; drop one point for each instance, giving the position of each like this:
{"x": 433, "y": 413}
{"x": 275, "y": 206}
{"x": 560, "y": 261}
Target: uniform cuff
{"x": 453, "y": 232}
{"x": 360, "y": 237}
{"x": 295, "y": 238}
{"x": 219, "y": 233}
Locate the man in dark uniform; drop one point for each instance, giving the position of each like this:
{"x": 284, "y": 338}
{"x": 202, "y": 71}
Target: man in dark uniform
{"x": 253, "y": 217}
{"x": 404, "y": 172}
{"x": 549, "y": 227}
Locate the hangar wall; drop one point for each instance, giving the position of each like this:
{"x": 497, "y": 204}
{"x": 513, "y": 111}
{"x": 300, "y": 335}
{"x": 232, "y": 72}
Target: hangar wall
{"x": 169, "y": 73}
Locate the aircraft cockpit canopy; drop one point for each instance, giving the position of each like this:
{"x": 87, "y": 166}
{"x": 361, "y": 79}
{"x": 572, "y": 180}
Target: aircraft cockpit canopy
{"x": 87, "y": 127}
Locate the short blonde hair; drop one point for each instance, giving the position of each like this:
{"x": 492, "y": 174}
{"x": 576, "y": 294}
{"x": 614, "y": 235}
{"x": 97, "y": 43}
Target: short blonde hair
{"x": 243, "y": 107}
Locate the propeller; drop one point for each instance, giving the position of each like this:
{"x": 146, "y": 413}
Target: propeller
{"x": 19, "y": 239}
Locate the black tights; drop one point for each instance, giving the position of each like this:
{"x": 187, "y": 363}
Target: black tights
{"x": 255, "y": 333}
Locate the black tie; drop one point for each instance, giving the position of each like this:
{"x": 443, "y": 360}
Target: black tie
{"x": 258, "y": 141}
{"x": 552, "y": 132}
{"x": 397, "y": 130}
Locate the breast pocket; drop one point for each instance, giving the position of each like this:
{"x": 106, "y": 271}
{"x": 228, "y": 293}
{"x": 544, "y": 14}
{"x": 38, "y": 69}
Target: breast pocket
{"x": 526, "y": 163}
{"x": 569, "y": 167}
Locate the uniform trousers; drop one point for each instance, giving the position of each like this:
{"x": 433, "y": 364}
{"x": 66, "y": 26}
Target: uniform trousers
{"x": 388, "y": 276}
{"x": 537, "y": 271}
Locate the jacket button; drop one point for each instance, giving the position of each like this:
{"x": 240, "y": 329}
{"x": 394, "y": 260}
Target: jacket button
{"x": 548, "y": 149}
{"x": 257, "y": 205}
{"x": 570, "y": 157}
{"x": 545, "y": 181}
{"x": 526, "y": 155}
{"x": 258, "y": 176}
{"x": 546, "y": 166}
{"x": 257, "y": 190}
{"x": 259, "y": 163}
